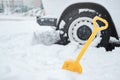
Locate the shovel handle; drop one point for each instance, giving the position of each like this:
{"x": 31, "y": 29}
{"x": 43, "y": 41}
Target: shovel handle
{"x": 96, "y": 18}
{"x": 95, "y": 31}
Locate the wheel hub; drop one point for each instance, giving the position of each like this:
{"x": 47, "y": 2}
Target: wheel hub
{"x": 84, "y": 32}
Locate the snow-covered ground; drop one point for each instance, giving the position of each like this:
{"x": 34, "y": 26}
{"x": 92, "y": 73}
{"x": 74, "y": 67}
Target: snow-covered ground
{"x": 21, "y": 60}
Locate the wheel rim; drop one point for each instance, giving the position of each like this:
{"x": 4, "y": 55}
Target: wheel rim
{"x": 80, "y": 30}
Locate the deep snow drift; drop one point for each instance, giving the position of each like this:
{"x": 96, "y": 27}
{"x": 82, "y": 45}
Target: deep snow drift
{"x": 21, "y": 60}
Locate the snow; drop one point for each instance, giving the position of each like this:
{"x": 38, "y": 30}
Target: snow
{"x": 21, "y": 60}
{"x": 45, "y": 37}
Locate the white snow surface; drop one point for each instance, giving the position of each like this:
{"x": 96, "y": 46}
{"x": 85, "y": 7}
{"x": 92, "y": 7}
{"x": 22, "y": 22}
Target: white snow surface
{"x": 21, "y": 60}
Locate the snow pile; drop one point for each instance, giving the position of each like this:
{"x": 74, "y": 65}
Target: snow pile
{"x": 46, "y": 38}
{"x": 20, "y": 60}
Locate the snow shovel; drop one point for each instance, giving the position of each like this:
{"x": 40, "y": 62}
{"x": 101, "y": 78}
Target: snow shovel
{"x": 74, "y": 66}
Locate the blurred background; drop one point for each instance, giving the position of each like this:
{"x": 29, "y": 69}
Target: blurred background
{"x": 21, "y": 7}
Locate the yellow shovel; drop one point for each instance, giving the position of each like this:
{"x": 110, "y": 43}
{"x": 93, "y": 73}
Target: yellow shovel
{"x": 74, "y": 66}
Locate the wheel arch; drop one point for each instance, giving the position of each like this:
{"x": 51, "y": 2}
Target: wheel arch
{"x": 98, "y": 8}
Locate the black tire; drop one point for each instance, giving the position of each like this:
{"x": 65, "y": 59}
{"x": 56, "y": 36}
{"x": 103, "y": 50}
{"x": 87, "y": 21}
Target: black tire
{"x": 75, "y": 14}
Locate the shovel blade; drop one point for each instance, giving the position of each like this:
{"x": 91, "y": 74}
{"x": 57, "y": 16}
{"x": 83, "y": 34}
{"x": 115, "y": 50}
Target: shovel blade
{"x": 72, "y": 66}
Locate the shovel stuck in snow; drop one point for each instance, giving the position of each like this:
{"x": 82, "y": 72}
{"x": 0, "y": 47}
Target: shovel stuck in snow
{"x": 74, "y": 66}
